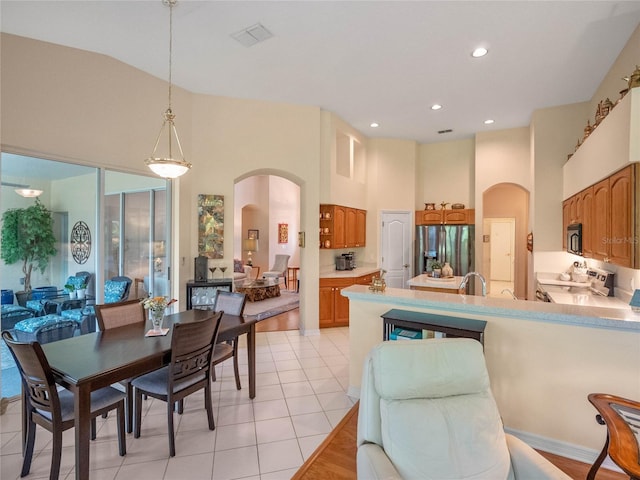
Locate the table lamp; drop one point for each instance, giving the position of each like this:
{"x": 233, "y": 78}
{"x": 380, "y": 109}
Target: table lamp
{"x": 250, "y": 245}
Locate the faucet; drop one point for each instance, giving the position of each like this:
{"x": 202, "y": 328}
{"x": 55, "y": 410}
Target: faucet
{"x": 466, "y": 278}
{"x": 513, "y": 295}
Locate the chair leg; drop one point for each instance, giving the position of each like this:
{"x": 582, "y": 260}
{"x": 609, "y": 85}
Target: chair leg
{"x": 56, "y": 454}
{"x": 180, "y": 409}
{"x": 208, "y": 406}
{"x": 138, "y": 409}
{"x": 172, "y": 440}
{"x": 93, "y": 428}
{"x": 235, "y": 363}
{"x": 122, "y": 442}
{"x": 129, "y": 391}
{"x": 28, "y": 451}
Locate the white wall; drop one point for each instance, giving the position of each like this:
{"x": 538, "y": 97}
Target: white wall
{"x": 284, "y": 207}
{"x": 445, "y": 172}
{"x": 502, "y": 156}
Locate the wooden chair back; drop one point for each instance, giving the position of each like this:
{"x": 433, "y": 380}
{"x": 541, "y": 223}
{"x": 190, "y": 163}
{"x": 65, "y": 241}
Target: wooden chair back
{"x": 37, "y": 378}
{"x": 191, "y": 347}
{"x": 113, "y": 315}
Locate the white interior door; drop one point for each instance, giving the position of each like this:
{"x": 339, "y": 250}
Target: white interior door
{"x": 502, "y": 249}
{"x": 395, "y": 248}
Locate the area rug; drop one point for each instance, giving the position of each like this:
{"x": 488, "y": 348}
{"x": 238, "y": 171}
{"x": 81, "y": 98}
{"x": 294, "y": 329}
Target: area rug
{"x": 272, "y": 306}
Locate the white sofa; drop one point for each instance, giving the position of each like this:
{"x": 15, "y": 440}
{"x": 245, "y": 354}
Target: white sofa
{"x": 426, "y": 411}
{"x": 244, "y": 275}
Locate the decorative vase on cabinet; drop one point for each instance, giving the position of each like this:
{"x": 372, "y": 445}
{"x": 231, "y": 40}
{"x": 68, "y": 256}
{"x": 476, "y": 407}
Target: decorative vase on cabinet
{"x": 447, "y": 271}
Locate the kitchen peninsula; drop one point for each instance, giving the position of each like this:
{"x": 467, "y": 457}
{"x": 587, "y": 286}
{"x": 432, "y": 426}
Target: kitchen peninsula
{"x": 543, "y": 359}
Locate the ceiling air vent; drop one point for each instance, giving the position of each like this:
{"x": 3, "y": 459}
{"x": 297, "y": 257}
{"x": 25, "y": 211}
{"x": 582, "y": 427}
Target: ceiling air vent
{"x": 251, "y": 35}
{"x": 448, "y": 130}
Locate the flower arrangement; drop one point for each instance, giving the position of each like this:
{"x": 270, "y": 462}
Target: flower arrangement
{"x": 156, "y": 304}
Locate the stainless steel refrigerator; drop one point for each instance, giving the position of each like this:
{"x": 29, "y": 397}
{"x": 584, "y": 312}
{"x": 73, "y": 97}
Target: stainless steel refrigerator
{"x": 445, "y": 243}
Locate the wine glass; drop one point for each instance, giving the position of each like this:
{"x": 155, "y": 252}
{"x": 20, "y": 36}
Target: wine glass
{"x": 212, "y": 270}
{"x": 223, "y": 269}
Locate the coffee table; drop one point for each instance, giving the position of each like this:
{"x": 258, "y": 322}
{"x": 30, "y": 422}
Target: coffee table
{"x": 260, "y": 289}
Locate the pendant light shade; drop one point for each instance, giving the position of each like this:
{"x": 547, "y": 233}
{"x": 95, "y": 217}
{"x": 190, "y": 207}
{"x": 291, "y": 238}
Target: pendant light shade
{"x": 166, "y": 165}
{"x": 28, "y": 192}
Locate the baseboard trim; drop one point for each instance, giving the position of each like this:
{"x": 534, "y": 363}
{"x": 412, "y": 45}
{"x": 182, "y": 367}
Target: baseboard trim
{"x": 564, "y": 449}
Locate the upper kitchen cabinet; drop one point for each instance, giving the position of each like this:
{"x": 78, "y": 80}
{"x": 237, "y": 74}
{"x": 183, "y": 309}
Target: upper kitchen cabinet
{"x": 600, "y": 185}
{"x": 342, "y": 227}
{"x": 446, "y": 217}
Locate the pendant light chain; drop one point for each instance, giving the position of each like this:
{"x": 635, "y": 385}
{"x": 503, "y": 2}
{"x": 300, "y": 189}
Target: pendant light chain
{"x": 168, "y": 167}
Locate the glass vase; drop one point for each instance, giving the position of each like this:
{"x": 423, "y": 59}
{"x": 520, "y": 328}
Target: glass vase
{"x": 157, "y": 318}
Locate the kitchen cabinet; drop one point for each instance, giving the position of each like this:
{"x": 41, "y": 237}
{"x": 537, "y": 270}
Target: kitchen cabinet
{"x": 465, "y": 216}
{"x": 607, "y": 213}
{"x": 334, "y": 308}
{"x": 342, "y": 227}
{"x": 622, "y": 235}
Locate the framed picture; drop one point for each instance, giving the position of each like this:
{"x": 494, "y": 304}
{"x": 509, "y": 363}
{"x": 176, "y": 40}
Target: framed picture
{"x": 301, "y": 239}
{"x": 283, "y": 233}
{"x": 211, "y": 226}
{"x": 253, "y": 234}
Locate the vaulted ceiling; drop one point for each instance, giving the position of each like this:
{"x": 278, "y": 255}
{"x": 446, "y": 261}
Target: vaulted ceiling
{"x": 367, "y": 61}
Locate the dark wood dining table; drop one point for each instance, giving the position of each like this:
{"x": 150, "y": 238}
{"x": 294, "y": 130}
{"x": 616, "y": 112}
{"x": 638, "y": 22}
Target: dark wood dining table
{"x": 89, "y": 362}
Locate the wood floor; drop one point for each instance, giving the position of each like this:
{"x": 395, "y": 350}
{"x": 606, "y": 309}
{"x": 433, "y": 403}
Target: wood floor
{"x": 335, "y": 458}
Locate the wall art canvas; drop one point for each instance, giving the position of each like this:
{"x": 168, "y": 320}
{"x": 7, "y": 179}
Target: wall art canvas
{"x": 283, "y": 233}
{"x": 211, "y": 226}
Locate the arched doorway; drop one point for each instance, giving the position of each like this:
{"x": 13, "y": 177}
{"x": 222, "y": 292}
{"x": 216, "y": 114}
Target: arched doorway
{"x": 265, "y": 206}
{"x": 504, "y": 247}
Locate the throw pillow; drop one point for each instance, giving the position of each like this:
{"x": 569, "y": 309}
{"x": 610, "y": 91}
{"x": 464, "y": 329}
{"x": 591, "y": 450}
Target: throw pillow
{"x": 237, "y": 266}
{"x": 114, "y": 291}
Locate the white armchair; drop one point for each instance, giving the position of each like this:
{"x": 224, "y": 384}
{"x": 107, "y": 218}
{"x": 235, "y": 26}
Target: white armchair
{"x": 279, "y": 268}
{"x": 427, "y": 411}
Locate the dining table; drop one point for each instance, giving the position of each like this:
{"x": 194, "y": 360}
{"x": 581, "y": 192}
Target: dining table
{"x": 89, "y": 362}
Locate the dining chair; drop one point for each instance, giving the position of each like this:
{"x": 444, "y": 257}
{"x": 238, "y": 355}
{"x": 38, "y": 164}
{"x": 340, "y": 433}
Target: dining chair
{"x": 231, "y": 303}
{"x": 113, "y": 315}
{"x": 52, "y": 409}
{"x": 188, "y": 372}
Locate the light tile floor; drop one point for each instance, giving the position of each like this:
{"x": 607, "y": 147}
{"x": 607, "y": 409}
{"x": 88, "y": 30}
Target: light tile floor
{"x": 300, "y": 397}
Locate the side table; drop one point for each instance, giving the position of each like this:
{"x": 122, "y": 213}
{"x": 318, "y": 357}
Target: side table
{"x": 292, "y": 278}
{"x": 207, "y": 287}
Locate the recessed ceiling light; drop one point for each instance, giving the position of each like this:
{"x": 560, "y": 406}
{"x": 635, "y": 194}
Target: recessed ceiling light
{"x": 374, "y": 125}
{"x": 479, "y": 52}
{"x": 488, "y": 122}
{"x": 436, "y": 106}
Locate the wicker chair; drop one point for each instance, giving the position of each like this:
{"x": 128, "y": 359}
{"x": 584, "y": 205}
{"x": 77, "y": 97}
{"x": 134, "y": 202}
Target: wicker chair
{"x": 52, "y": 409}
{"x": 188, "y": 372}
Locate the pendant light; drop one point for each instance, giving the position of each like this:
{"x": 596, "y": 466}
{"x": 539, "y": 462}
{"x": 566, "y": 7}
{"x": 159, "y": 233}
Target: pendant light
{"x": 168, "y": 167}
{"x": 23, "y": 190}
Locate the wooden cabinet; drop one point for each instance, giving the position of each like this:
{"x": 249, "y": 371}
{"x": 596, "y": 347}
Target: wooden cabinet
{"x": 621, "y": 230}
{"x": 334, "y": 308}
{"x": 446, "y": 217}
{"x": 607, "y": 212}
{"x": 361, "y": 228}
{"x": 342, "y": 227}
{"x": 585, "y": 213}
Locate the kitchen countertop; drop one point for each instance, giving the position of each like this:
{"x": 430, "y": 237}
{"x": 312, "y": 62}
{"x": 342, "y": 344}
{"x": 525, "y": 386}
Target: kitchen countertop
{"x": 573, "y": 314}
{"x": 428, "y": 281}
{"x": 577, "y": 293}
{"x": 356, "y": 272}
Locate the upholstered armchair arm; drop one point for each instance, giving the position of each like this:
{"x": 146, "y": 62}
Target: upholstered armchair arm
{"x": 528, "y": 464}
{"x": 373, "y": 463}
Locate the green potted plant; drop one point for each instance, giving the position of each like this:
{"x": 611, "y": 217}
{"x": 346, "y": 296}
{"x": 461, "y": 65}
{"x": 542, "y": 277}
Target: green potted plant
{"x": 436, "y": 270}
{"x": 27, "y": 237}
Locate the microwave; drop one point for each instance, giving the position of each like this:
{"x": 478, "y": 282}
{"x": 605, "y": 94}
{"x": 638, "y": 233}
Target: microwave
{"x": 574, "y": 238}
